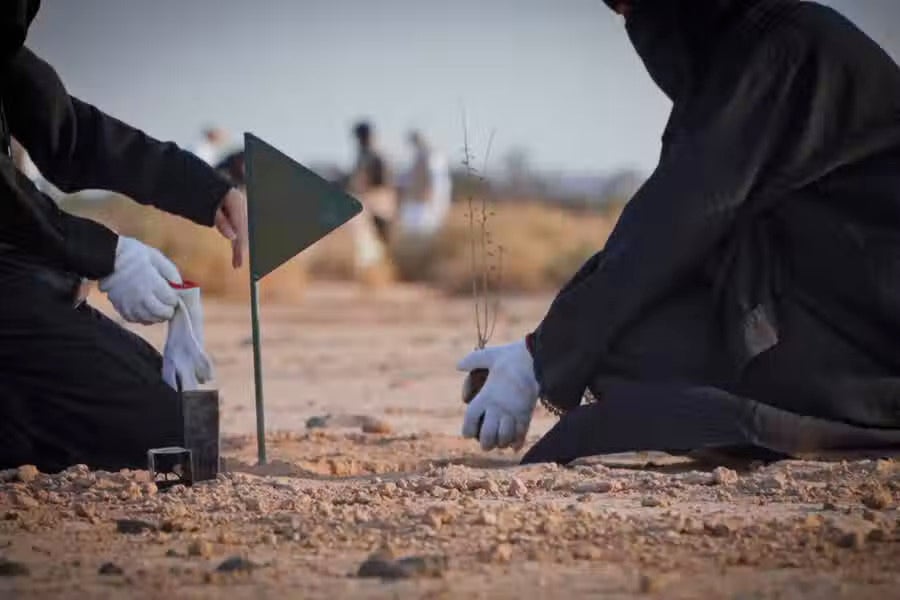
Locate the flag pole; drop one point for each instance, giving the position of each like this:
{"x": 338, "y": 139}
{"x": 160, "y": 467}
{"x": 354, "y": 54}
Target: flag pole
{"x": 257, "y": 372}
{"x": 254, "y": 310}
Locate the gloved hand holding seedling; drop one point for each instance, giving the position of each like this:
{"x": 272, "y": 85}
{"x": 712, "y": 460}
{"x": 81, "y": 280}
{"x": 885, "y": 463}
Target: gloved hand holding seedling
{"x": 500, "y": 412}
{"x": 500, "y": 388}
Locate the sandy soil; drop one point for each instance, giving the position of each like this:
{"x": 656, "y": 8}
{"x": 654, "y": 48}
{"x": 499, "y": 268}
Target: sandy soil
{"x": 442, "y": 518}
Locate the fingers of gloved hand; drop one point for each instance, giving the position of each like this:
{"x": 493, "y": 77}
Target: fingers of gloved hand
{"x": 203, "y": 369}
{"x": 521, "y": 434}
{"x": 164, "y": 266}
{"x": 187, "y": 336}
{"x": 490, "y": 429}
{"x": 162, "y": 291}
{"x": 190, "y": 298}
{"x": 472, "y": 418}
{"x": 152, "y": 310}
{"x": 479, "y": 359}
{"x": 506, "y": 432}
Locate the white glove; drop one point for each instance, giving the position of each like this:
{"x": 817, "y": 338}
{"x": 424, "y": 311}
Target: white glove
{"x": 139, "y": 284}
{"x": 507, "y": 399}
{"x": 183, "y": 355}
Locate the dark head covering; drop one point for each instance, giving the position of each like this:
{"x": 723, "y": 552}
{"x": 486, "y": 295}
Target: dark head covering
{"x": 15, "y": 18}
{"x": 674, "y": 38}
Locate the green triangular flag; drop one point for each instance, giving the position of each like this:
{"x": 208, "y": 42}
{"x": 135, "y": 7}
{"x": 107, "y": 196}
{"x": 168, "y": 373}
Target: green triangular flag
{"x": 289, "y": 207}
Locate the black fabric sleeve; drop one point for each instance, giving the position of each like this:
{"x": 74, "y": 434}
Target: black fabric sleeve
{"x": 32, "y": 223}
{"x": 76, "y": 146}
{"x": 737, "y": 126}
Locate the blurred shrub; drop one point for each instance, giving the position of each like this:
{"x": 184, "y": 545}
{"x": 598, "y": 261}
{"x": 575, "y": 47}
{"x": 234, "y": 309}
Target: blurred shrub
{"x": 542, "y": 247}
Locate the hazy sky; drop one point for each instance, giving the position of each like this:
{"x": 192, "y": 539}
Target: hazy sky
{"x": 557, "y": 77}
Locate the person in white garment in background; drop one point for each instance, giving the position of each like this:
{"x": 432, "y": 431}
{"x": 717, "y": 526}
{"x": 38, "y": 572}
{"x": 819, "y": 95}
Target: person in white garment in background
{"x": 425, "y": 202}
{"x": 212, "y": 147}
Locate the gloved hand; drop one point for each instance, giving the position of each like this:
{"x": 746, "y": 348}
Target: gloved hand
{"x": 139, "y": 284}
{"x": 507, "y": 399}
{"x": 183, "y": 355}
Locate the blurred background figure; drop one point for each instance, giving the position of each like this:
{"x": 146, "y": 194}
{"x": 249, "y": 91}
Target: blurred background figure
{"x": 232, "y": 166}
{"x": 370, "y": 182}
{"x": 211, "y": 146}
{"x": 426, "y": 191}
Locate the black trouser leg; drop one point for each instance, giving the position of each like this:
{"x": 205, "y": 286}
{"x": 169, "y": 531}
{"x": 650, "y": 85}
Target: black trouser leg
{"x": 75, "y": 387}
{"x": 668, "y": 386}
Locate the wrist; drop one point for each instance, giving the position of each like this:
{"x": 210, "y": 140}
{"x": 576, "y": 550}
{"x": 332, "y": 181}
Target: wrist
{"x": 529, "y": 344}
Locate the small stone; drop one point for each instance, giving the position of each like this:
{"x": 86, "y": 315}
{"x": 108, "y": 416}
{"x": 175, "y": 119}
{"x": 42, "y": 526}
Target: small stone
{"x": 488, "y": 485}
{"x": 387, "y": 489}
{"x": 270, "y": 539}
{"x": 236, "y": 563}
{"x": 501, "y": 553}
{"x": 851, "y": 539}
{"x": 651, "y": 501}
{"x": 697, "y": 478}
{"x": 725, "y": 476}
{"x": 134, "y": 526}
{"x": 877, "y": 535}
{"x": 829, "y": 505}
{"x": 10, "y": 568}
{"x": 774, "y": 483}
{"x": 517, "y": 488}
{"x": 601, "y": 486}
{"x": 317, "y": 421}
{"x": 813, "y": 521}
{"x": 7, "y": 475}
{"x": 587, "y": 552}
{"x": 110, "y": 569}
{"x": 142, "y": 476}
{"x": 226, "y": 537}
{"x": 373, "y": 425}
{"x": 175, "y": 510}
{"x": 200, "y": 548}
{"x": 84, "y": 483}
{"x": 255, "y": 505}
{"x": 172, "y": 553}
{"x": 720, "y": 529}
{"x": 379, "y": 565}
{"x": 176, "y": 525}
{"x": 878, "y": 499}
{"x": 27, "y": 473}
{"x": 132, "y": 491}
{"x": 487, "y": 518}
{"x": 647, "y": 584}
{"x": 870, "y": 515}
{"x": 85, "y": 511}
{"x": 23, "y": 500}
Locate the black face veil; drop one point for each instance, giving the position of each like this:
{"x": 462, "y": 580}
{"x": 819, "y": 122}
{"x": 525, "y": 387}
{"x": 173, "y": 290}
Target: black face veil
{"x": 675, "y": 37}
{"x": 15, "y": 18}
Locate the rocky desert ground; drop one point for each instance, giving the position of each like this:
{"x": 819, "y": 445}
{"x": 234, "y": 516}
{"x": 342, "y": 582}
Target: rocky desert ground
{"x": 383, "y": 499}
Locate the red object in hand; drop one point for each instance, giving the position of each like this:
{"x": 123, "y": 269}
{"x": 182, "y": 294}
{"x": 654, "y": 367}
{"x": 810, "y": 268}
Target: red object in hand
{"x": 184, "y": 285}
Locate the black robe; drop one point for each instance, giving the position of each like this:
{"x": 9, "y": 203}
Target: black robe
{"x": 75, "y": 387}
{"x": 750, "y": 293}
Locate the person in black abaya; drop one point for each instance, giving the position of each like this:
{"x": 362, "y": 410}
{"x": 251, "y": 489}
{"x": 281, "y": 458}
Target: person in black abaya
{"x": 749, "y": 296}
{"x": 75, "y": 387}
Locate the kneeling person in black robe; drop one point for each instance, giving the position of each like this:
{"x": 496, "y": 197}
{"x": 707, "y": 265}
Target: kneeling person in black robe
{"x": 749, "y": 296}
{"x": 75, "y": 387}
